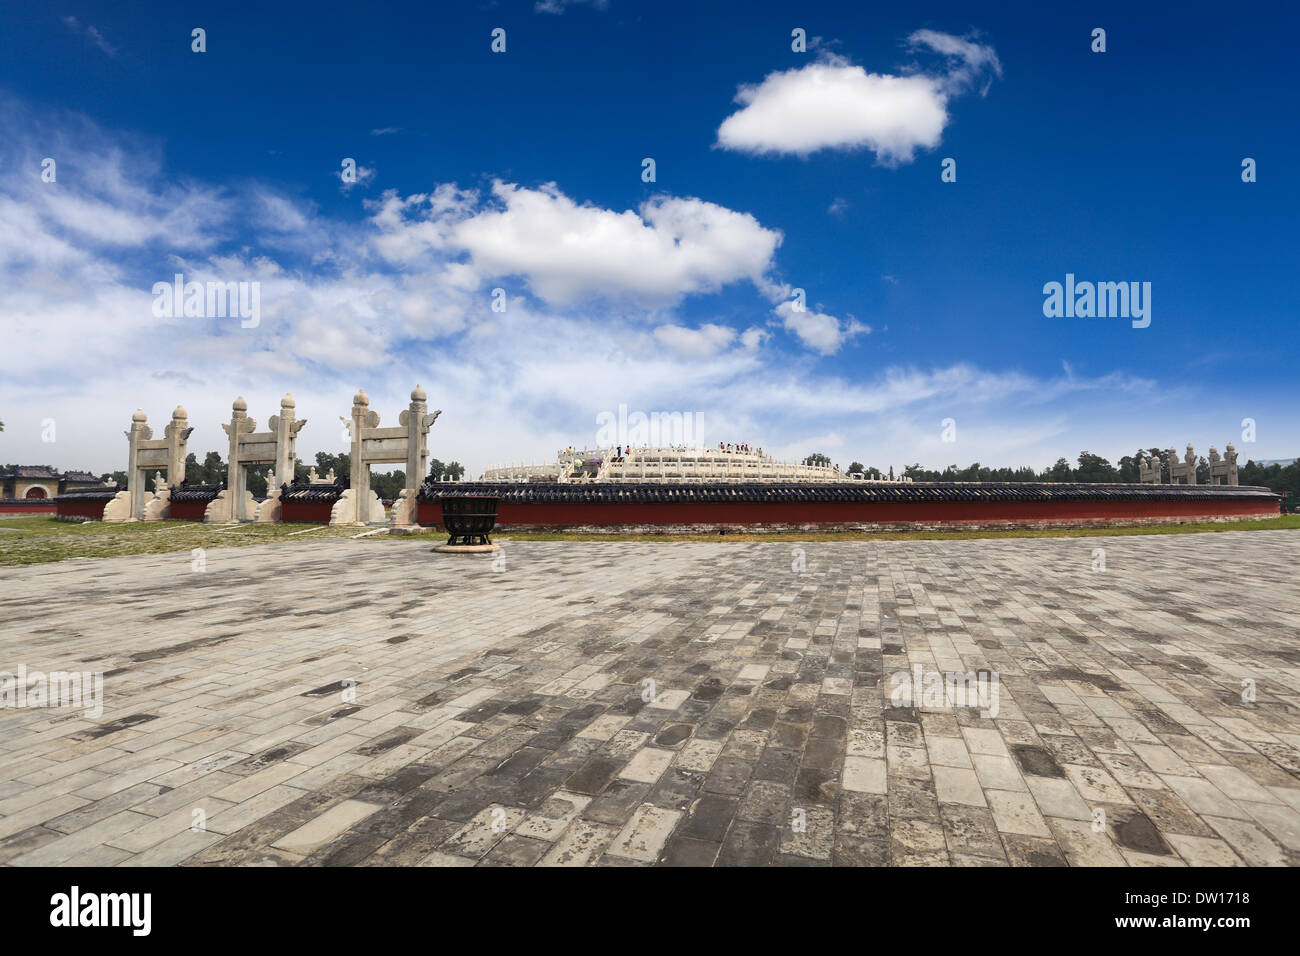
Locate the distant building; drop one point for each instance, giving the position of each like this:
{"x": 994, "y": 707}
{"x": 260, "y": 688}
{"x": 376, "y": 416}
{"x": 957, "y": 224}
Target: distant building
{"x": 39, "y": 481}
{"x": 727, "y": 463}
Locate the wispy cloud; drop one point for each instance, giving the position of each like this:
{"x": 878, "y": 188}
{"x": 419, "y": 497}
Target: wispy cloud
{"x": 359, "y": 176}
{"x": 91, "y": 33}
{"x": 969, "y": 62}
{"x": 559, "y": 6}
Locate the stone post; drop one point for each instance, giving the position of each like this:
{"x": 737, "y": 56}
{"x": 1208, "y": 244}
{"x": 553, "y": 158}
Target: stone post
{"x": 360, "y": 471}
{"x": 286, "y": 428}
{"x": 1148, "y": 470}
{"x": 177, "y": 434}
{"x": 1223, "y": 471}
{"x": 1182, "y": 472}
{"x": 236, "y": 475}
{"x": 417, "y": 422}
{"x": 139, "y": 432}
{"x": 416, "y": 450}
{"x": 284, "y": 436}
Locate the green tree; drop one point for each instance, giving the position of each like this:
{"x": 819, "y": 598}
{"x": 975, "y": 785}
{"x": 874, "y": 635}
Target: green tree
{"x": 1061, "y": 471}
{"x": 341, "y": 463}
{"x": 817, "y": 458}
{"x": 255, "y": 481}
{"x": 211, "y": 472}
{"x": 387, "y": 485}
{"x": 1094, "y": 468}
{"x": 214, "y": 469}
{"x": 1129, "y": 468}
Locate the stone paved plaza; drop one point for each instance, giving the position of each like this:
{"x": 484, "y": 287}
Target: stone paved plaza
{"x": 499, "y": 715}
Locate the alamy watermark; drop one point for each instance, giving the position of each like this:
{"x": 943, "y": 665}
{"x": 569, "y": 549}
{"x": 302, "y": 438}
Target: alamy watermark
{"x": 1101, "y": 300}
{"x": 655, "y": 429}
{"x": 76, "y": 908}
{"x": 921, "y": 688}
{"x": 84, "y": 689}
{"x": 209, "y": 300}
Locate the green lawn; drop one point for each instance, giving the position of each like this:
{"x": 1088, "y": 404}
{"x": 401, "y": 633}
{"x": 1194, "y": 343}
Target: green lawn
{"x": 42, "y": 539}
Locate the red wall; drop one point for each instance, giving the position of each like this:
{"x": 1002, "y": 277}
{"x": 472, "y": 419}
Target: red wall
{"x": 29, "y": 506}
{"x": 311, "y": 511}
{"x": 856, "y": 512}
{"x": 81, "y": 509}
{"x": 187, "y": 510}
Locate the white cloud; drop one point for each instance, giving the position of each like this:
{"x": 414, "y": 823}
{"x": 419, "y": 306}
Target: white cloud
{"x": 411, "y": 229}
{"x": 821, "y": 332}
{"x": 670, "y": 248}
{"x": 280, "y": 214}
{"x": 568, "y": 252}
{"x": 832, "y": 104}
{"x": 704, "y": 342}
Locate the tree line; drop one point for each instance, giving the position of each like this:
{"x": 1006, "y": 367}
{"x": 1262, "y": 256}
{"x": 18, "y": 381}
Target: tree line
{"x": 1089, "y": 468}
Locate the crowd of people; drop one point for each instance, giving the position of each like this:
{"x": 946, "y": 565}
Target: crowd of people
{"x": 739, "y": 449}
{"x": 622, "y": 452}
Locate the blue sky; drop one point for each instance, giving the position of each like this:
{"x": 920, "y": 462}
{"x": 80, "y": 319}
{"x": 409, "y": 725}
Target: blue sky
{"x": 775, "y": 170}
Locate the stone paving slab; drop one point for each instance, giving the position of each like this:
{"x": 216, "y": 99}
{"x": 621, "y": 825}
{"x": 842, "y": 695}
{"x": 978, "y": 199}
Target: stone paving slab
{"x": 630, "y": 704}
